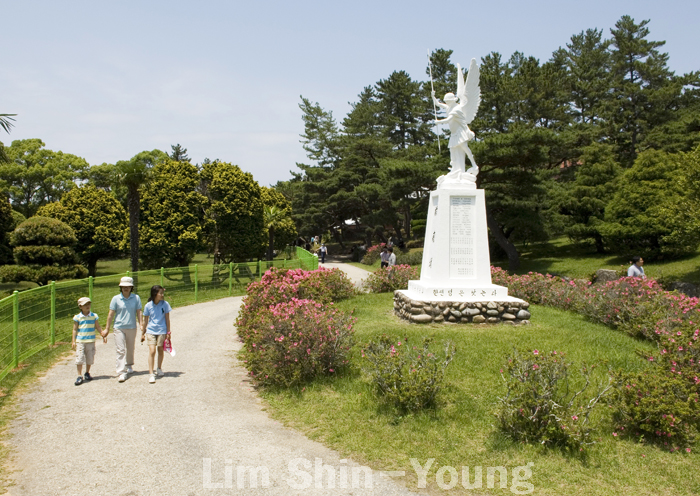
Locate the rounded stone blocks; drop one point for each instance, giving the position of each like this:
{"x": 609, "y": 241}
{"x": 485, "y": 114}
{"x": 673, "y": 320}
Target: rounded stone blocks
{"x": 476, "y": 312}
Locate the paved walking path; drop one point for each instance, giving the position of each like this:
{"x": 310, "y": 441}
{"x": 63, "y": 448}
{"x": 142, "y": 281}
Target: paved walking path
{"x": 136, "y": 438}
{"x": 356, "y": 274}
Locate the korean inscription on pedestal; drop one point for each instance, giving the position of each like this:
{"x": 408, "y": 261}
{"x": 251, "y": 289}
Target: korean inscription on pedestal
{"x": 462, "y": 260}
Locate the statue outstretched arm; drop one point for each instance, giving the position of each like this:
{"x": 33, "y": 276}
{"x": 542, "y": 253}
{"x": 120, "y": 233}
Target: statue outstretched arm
{"x": 438, "y": 102}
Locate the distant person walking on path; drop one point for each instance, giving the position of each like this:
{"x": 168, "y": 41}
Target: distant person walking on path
{"x": 125, "y": 311}
{"x": 324, "y": 251}
{"x": 84, "y": 325}
{"x": 156, "y": 324}
{"x": 636, "y": 269}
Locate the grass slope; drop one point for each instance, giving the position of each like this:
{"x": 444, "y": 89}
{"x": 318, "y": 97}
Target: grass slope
{"x": 344, "y": 414}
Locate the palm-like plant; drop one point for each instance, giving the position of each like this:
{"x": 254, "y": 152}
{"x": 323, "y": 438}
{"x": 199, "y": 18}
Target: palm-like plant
{"x": 6, "y": 124}
{"x": 6, "y": 121}
{"x": 133, "y": 174}
{"x": 272, "y": 216}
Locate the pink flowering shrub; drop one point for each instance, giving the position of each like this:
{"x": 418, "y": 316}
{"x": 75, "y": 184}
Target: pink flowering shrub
{"x": 538, "y": 405}
{"x": 389, "y": 279}
{"x": 372, "y": 254}
{"x": 406, "y": 377}
{"x": 281, "y": 285}
{"x": 658, "y": 406}
{"x": 290, "y": 331}
{"x": 637, "y": 306}
{"x": 295, "y": 341}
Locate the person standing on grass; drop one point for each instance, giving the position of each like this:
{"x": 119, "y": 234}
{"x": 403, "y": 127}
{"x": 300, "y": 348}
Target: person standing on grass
{"x": 636, "y": 269}
{"x": 384, "y": 257}
{"x": 156, "y": 323}
{"x": 392, "y": 258}
{"x": 125, "y": 311}
{"x": 84, "y": 325}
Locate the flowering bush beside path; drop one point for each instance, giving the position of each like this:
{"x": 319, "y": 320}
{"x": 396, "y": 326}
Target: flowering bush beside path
{"x": 290, "y": 330}
{"x": 389, "y": 279}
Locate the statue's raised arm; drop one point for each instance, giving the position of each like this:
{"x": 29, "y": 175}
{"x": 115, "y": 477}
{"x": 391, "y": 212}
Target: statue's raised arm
{"x": 461, "y": 110}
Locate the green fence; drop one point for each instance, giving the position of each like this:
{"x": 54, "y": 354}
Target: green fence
{"x": 34, "y": 319}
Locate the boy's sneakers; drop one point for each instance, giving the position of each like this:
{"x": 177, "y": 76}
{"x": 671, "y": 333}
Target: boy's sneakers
{"x": 122, "y": 377}
{"x": 129, "y": 370}
{"x": 152, "y": 379}
{"x": 159, "y": 372}
{"x": 79, "y": 381}
{"x": 88, "y": 377}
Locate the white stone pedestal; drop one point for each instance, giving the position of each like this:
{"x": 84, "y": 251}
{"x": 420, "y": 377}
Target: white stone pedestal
{"x": 456, "y": 262}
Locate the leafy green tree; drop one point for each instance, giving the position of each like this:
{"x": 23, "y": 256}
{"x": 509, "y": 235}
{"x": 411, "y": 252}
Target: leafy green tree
{"x": 593, "y": 187}
{"x": 278, "y": 222}
{"x": 321, "y": 193}
{"x": 97, "y": 219}
{"x": 644, "y": 89}
{"x": 320, "y": 138}
{"x": 17, "y": 219}
{"x": 179, "y": 154}
{"x": 637, "y": 220}
{"x": 587, "y": 61}
{"x": 43, "y": 250}
{"x": 235, "y": 209}
{"x": 133, "y": 174}
{"x": 173, "y": 227}
{"x": 404, "y": 114}
{"x": 6, "y": 225}
{"x": 520, "y": 126}
{"x": 36, "y": 176}
{"x": 683, "y": 211}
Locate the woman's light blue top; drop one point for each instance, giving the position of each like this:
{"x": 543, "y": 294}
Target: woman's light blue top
{"x": 125, "y": 309}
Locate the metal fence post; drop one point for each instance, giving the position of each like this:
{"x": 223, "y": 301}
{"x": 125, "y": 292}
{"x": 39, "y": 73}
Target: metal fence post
{"x": 90, "y": 287}
{"x": 15, "y": 329}
{"x": 230, "y": 277}
{"x": 53, "y": 312}
{"x": 162, "y": 275}
{"x": 260, "y": 269}
{"x": 196, "y": 285}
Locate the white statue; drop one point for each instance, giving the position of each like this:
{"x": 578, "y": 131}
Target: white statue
{"x": 461, "y": 111}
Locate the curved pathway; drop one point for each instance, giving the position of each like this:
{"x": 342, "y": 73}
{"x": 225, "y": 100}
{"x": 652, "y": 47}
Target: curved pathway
{"x": 203, "y": 417}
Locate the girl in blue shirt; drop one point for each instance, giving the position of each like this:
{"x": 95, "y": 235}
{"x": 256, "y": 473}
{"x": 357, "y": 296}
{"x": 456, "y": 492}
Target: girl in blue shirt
{"x": 156, "y": 325}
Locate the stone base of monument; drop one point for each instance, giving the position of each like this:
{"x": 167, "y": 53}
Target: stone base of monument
{"x": 507, "y": 310}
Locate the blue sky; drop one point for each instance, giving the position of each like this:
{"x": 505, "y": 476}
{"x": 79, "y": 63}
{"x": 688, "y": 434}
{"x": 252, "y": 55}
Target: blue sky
{"x": 106, "y": 80}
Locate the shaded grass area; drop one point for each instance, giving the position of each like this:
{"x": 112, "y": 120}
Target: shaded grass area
{"x": 344, "y": 413}
{"x": 561, "y": 256}
{"x": 121, "y": 265}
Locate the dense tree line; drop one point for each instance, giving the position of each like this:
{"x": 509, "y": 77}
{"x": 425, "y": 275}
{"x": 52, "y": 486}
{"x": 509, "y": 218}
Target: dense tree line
{"x": 158, "y": 207}
{"x": 564, "y": 146}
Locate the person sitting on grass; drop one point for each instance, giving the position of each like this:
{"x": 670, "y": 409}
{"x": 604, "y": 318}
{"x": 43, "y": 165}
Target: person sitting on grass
{"x": 636, "y": 269}
{"x": 156, "y": 323}
{"x": 84, "y": 325}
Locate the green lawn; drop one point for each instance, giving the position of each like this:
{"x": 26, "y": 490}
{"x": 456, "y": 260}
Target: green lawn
{"x": 560, "y": 256}
{"x": 121, "y": 265}
{"x": 344, "y": 414}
